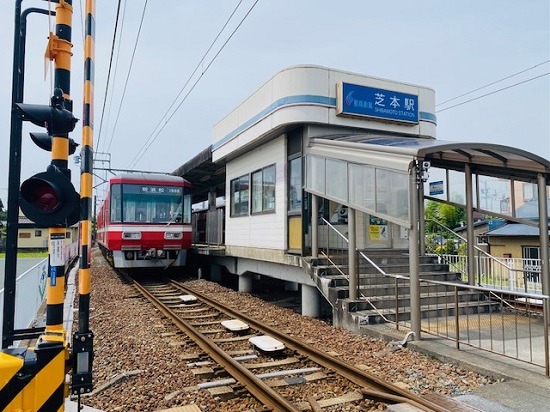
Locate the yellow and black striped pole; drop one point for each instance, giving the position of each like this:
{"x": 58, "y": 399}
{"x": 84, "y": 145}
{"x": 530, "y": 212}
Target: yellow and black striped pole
{"x": 83, "y": 339}
{"x": 52, "y": 347}
{"x": 59, "y": 50}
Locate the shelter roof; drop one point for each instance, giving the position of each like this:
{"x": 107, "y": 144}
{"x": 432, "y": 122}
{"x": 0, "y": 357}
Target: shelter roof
{"x": 485, "y": 158}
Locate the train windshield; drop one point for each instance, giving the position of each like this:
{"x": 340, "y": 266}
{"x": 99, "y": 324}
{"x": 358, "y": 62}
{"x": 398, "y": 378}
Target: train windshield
{"x": 146, "y": 203}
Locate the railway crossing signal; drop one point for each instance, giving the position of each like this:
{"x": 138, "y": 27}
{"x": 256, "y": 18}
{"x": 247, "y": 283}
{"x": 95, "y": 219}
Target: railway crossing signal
{"x": 55, "y": 117}
{"x": 49, "y": 198}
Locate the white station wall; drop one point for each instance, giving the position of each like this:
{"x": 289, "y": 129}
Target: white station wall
{"x": 266, "y": 231}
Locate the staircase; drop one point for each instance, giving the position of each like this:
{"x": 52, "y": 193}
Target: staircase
{"x": 377, "y": 301}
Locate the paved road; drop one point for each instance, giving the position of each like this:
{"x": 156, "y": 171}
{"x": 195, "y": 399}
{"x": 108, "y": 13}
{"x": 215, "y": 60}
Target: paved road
{"x": 22, "y": 266}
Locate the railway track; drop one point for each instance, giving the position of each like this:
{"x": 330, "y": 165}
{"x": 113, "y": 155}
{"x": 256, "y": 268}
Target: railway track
{"x": 281, "y": 380}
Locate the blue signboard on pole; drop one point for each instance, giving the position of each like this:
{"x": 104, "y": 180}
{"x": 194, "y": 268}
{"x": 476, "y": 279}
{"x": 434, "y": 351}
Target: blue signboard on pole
{"x": 377, "y": 103}
{"x": 436, "y": 188}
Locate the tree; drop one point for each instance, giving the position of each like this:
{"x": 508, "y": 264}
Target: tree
{"x": 437, "y": 238}
{"x": 3, "y": 213}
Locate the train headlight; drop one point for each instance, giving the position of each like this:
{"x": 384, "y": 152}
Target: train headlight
{"x": 173, "y": 235}
{"x": 131, "y": 235}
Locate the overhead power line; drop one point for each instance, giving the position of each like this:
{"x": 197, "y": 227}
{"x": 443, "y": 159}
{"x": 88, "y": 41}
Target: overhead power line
{"x": 132, "y": 162}
{"x": 490, "y": 84}
{"x": 108, "y": 74}
{"x": 195, "y": 83}
{"x": 493, "y": 92}
{"x": 128, "y": 74}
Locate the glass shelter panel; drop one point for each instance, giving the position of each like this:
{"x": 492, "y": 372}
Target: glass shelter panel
{"x": 316, "y": 173}
{"x": 336, "y": 186}
{"x": 495, "y": 194}
{"x": 392, "y": 196}
{"x": 361, "y": 186}
{"x": 457, "y": 187}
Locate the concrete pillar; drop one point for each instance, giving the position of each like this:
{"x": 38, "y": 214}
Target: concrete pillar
{"x": 414, "y": 261}
{"x": 245, "y": 282}
{"x": 470, "y": 226}
{"x": 352, "y": 255}
{"x": 314, "y": 226}
{"x": 212, "y": 200}
{"x": 215, "y": 273}
{"x": 291, "y": 286}
{"x": 310, "y": 301}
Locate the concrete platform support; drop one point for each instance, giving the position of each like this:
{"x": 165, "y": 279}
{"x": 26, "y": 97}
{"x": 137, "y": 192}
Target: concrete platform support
{"x": 311, "y": 301}
{"x": 215, "y": 273}
{"x": 245, "y": 282}
{"x": 291, "y": 286}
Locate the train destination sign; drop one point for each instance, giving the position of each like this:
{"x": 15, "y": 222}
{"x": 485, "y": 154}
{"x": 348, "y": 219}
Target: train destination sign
{"x": 383, "y": 104}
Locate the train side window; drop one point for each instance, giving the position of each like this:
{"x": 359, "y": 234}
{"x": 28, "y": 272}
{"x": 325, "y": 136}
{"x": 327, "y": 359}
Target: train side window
{"x": 116, "y": 203}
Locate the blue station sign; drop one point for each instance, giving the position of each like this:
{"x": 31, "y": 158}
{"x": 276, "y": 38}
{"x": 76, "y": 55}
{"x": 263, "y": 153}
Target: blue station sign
{"x": 383, "y": 104}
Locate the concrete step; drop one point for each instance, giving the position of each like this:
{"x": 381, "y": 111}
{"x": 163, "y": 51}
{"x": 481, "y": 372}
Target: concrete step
{"x": 371, "y": 316}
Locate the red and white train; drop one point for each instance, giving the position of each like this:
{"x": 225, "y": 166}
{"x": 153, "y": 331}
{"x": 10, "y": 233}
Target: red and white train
{"x": 145, "y": 221}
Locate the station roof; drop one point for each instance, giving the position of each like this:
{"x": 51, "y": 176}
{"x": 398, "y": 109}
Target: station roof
{"x": 483, "y": 158}
{"x": 204, "y": 175}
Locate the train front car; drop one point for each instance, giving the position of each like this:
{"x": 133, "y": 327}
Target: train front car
{"x": 147, "y": 221}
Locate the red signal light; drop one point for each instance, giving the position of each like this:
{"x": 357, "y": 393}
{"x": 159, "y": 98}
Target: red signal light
{"x": 46, "y": 198}
{"x": 49, "y": 198}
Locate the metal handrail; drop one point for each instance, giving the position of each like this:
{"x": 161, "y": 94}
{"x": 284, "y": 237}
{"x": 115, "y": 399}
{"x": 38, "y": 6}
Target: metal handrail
{"x": 475, "y": 246}
{"x": 347, "y": 276}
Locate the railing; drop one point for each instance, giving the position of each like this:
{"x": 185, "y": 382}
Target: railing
{"x": 501, "y": 273}
{"x": 500, "y": 320}
{"x": 509, "y": 323}
{"x": 335, "y": 250}
{"x": 520, "y": 275}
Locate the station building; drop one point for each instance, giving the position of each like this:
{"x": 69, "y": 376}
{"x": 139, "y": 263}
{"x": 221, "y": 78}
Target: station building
{"x": 319, "y": 159}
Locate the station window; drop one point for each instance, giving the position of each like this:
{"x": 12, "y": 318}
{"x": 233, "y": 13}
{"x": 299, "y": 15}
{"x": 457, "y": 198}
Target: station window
{"x": 263, "y": 190}
{"x": 239, "y": 196}
{"x": 295, "y": 184}
{"x": 37, "y": 233}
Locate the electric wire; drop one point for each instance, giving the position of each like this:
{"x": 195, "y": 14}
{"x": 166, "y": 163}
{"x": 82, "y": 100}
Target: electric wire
{"x": 196, "y": 81}
{"x": 108, "y": 74}
{"x": 111, "y": 97}
{"x": 493, "y": 92}
{"x": 187, "y": 82}
{"x": 128, "y": 74}
{"x": 490, "y": 84}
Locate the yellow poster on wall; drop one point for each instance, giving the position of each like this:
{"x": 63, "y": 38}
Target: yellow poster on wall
{"x": 378, "y": 232}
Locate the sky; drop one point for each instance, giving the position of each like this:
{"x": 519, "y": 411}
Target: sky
{"x": 453, "y": 47}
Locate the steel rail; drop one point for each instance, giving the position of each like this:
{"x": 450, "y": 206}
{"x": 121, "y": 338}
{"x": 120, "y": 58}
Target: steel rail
{"x": 264, "y": 393}
{"x": 355, "y": 375}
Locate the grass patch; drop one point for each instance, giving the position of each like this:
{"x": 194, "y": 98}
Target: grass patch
{"x": 23, "y": 255}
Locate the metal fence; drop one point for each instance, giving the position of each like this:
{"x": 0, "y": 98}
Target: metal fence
{"x": 498, "y": 318}
{"x": 515, "y": 274}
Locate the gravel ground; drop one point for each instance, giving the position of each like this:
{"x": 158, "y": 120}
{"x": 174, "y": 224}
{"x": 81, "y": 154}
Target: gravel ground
{"x": 137, "y": 368}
